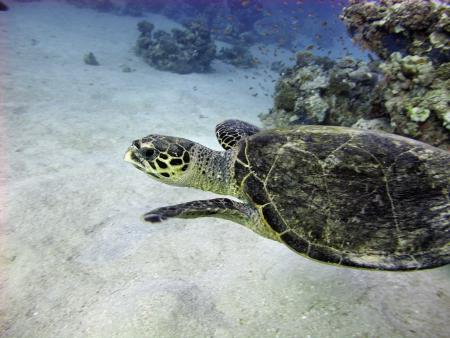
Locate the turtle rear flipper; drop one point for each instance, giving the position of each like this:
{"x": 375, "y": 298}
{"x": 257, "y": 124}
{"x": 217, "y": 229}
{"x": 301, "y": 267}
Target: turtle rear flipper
{"x": 230, "y": 132}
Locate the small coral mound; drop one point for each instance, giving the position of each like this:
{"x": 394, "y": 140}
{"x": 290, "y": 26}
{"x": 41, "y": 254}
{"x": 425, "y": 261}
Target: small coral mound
{"x": 319, "y": 90}
{"x": 90, "y": 59}
{"x": 181, "y": 51}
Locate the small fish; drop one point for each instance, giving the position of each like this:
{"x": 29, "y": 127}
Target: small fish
{"x": 3, "y": 6}
{"x": 310, "y": 47}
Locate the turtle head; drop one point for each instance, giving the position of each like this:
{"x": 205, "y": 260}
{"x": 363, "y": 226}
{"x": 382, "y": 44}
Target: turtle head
{"x": 164, "y": 158}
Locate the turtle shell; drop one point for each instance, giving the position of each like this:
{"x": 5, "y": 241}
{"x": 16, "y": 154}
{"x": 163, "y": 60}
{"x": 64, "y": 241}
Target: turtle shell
{"x": 350, "y": 197}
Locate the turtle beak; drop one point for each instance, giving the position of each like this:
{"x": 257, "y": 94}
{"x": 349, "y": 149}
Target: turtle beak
{"x": 132, "y": 156}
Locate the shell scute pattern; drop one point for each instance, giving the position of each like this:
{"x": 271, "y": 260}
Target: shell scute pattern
{"x": 355, "y": 198}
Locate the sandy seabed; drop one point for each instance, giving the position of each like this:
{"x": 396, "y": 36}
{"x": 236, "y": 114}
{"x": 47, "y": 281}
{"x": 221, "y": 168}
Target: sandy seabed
{"x": 76, "y": 260}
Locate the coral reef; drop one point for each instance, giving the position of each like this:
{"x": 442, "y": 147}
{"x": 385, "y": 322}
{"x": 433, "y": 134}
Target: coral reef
{"x": 415, "y": 27}
{"x": 230, "y": 20}
{"x": 181, "y": 51}
{"x": 238, "y": 56}
{"x": 416, "y": 94}
{"x": 318, "y": 90}
{"x": 412, "y": 37}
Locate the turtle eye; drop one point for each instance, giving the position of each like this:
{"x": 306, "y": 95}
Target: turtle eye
{"x": 149, "y": 153}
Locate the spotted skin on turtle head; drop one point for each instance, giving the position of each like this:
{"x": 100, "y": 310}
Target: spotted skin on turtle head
{"x": 163, "y": 157}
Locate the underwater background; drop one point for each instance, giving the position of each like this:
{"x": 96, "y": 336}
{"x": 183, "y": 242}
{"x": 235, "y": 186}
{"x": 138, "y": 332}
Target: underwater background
{"x": 81, "y": 79}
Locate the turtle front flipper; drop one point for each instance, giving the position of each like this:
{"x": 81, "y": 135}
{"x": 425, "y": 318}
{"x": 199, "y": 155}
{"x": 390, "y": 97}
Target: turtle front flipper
{"x": 218, "y": 207}
{"x": 229, "y": 132}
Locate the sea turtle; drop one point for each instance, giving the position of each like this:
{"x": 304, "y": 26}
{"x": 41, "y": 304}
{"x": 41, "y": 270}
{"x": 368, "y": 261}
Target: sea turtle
{"x": 339, "y": 195}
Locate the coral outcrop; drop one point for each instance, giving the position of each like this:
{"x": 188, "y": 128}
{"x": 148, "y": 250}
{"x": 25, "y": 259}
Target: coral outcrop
{"x": 407, "y": 92}
{"x": 416, "y": 94}
{"x": 412, "y": 37}
{"x": 231, "y": 20}
{"x": 415, "y": 27}
{"x": 181, "y": 51}
{"x": 319, "y": 90}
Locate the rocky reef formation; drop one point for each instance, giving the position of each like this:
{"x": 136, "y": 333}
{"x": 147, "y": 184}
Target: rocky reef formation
{"x": 415, "y": 27}
{"x": 412, "y": 37}
{"x": 416, "y": 94}
{"x": 406, "y": 92}
{"x": 230, "y": 20}
{"x": 318, "y": 90}
{"x": 181, "y": 51}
